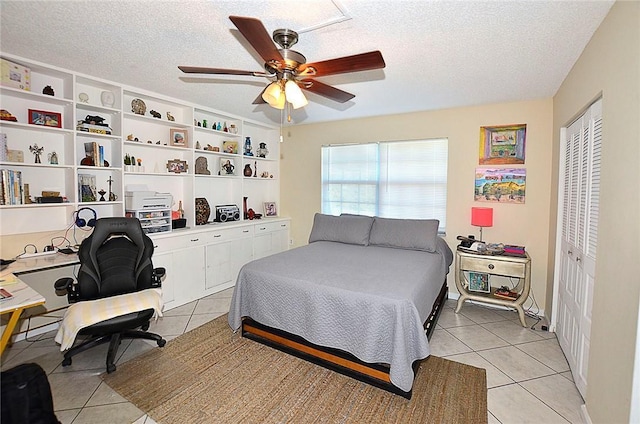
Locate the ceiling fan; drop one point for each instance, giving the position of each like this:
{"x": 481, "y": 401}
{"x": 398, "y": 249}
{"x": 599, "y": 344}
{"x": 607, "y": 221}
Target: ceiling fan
{"x": 289, "y": 67}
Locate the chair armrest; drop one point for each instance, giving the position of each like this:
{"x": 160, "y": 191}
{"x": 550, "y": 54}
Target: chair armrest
{"x": 62, "y": 285}
{"x": 66, "y": 286}
{"x": 158, "y": 275}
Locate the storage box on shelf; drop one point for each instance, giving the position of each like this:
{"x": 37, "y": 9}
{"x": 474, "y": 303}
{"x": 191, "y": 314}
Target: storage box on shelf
{"x": 153, "y": 221}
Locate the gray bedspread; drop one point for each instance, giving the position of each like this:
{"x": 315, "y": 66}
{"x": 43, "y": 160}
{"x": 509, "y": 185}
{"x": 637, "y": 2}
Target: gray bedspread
{"x": 369, "y": 301}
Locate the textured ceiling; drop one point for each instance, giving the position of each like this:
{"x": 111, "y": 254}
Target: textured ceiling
{"x": 439, "y": 54}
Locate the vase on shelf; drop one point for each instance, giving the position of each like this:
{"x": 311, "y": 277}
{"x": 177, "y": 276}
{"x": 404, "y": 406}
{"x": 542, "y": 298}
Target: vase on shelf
{"x": 244, "y": 207}
{"x": 203, "y": 211}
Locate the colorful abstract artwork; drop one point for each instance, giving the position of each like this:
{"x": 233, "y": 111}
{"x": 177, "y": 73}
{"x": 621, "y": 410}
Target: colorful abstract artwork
{"x": 500, "y": 185}
{"x": 502, "y": 145}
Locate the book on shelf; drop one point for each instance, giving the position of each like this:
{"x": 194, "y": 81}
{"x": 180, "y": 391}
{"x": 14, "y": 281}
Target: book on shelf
{"x": 505, "y": 293}
{"x": 12, "y": 187}
{"x": 87, "y": 188}
{"x": 93, "y": 154}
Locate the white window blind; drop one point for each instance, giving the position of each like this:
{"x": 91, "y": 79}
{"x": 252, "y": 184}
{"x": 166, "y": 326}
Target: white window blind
{"x": 400, "y": 179}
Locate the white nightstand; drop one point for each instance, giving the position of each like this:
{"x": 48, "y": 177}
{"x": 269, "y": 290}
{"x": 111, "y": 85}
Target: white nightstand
{"x": 507, "y": 266}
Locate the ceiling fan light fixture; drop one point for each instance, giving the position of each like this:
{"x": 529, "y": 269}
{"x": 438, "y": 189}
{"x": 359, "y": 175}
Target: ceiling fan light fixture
{"x": 274, "y": 95}
{"x": 295, "y": 95}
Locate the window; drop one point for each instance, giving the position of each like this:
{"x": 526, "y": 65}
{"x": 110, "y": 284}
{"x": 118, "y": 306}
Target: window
{"x": 400, "y": 179}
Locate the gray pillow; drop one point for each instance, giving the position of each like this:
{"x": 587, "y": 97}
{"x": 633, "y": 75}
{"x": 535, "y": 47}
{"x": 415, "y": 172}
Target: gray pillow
{"x": 413, "y": 234}
{"x": 349, "y": 229}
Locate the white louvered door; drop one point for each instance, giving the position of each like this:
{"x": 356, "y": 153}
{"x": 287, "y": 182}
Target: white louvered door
{"x": 579, "y": 188}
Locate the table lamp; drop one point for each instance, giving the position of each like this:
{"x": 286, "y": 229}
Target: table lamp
{"x": 482, "y": 217}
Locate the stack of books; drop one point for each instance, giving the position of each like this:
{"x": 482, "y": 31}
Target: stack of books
{"x": 11, "y": 187}
{"x": 511, "y": 250}
{"x": 505, "y": 293}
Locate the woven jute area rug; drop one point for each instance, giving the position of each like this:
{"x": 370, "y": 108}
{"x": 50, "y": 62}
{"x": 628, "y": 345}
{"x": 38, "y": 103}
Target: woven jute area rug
{"x": 210, "y": 375}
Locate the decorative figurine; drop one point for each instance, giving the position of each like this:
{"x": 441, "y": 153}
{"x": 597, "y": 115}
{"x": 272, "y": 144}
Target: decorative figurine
{"x": 202, "y": 166}
{"x": 130, "y": 137}
{"x": 255, "y": 168}
{"x": 5, "y": 115}
{"x": 112, "y": 196}
{"x": 247, "y": 147}
{"x": 228, "y": 167}
{"x": 170, "y": 117}
{"x": 84, "y": 97}
{"x": 102, "y": 193}
{"x": 262, "y": 151}
{"x": 48, "y": 90}
{"x": 37, "y": 151}
{"x": 197, "y": 145}
{"x": 138, "y": 107}
{"x": 155, "y": 114}
{"x": 53, "y": 158}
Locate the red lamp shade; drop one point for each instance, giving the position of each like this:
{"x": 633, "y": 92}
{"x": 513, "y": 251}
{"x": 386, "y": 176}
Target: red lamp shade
{"x": 482, "y": 217}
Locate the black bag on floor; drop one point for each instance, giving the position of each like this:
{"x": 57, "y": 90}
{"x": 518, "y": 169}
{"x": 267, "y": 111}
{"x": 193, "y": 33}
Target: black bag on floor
{"x": 26, "y": 396}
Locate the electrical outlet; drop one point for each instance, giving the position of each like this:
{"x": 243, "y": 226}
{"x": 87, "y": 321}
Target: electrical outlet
{"x": 290, "y": 242}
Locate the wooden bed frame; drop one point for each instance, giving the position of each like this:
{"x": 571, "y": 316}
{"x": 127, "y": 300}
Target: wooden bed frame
{"x": 335, "y": 359}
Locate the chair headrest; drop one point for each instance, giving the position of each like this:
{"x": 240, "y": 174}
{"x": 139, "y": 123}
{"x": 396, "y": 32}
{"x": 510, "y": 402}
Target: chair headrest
{"x": 117, "y": 226}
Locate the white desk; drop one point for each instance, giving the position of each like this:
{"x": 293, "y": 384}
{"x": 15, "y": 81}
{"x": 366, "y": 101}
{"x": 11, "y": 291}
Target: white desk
{"x": 24, "y": 296}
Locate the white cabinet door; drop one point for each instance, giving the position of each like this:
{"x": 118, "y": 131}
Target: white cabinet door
{"x": 189, "y": 274}
{"x": 165, "y": 260}
{"x": 270, "y": 238}
{"x": 219, "y": 262}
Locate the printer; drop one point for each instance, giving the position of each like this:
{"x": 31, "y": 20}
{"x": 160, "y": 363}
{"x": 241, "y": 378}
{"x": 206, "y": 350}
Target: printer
{"x": 145, "y": 199}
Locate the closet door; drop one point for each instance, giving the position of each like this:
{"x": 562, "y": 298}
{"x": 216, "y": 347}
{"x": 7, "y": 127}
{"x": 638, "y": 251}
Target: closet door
{"x": 577, "y": 239}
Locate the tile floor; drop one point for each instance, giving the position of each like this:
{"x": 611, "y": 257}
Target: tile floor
{"x": 528, "y": 377}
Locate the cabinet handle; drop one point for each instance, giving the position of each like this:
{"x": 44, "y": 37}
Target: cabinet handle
{"x": 491, "y": 266}
{"x": 155, "y": 246}
{"x": 578, "y": 259}
{"x": 283, "y": 225}
{"x": 195, "y": 239}
{"x": 263, "y": 228}
{"x": 245, "y": 231}
{"x": 570, "y": 252}
{"x": 217, "y": 235}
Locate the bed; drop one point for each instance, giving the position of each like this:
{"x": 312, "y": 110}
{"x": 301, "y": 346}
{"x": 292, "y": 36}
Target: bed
{"x": 358, "y": 298}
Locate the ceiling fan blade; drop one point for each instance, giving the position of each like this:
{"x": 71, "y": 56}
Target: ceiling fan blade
{"x": 201, "y": 70}
{"x": 355, "y": 63}
{"x": 325, "y": 90}
{"x": 259, "y": 100}
{"x": 256, "y": 34}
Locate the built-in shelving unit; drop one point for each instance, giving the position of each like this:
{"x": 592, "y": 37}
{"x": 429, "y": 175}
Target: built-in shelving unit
{"x": 79, "y": 97}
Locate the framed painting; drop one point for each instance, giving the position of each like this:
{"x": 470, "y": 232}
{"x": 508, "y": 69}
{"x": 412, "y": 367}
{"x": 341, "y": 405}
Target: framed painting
{"x": 270, "y": 209}
{"x": 500, "y": 185}
{"x": 502, "y": 145}
{"x": 479, "y": 282}
{"x": 44, "y": 118}
{"x": 179, "y": 137}
{"x": 230, "y": 147}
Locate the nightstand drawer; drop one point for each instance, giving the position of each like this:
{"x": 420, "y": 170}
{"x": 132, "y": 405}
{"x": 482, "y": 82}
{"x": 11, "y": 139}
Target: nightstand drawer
{"x": 510, "y": 269}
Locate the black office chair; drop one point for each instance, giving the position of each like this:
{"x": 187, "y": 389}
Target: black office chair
{"x": 115, "y": 259}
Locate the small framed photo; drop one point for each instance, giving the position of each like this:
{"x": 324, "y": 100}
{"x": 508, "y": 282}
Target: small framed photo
{"x": 479, "y": 282}
{"x": 230, "y": 147}
{"x": 270, "y": 209}
{"x": 44, "y": 118}
{"x": 177, "y": 166}
{"x": 179, "y": 137}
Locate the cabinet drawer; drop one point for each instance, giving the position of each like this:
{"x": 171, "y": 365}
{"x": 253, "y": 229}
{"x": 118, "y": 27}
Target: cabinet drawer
{"x": 268, "y": 227}
{"x": 222, "y": 235}
{"x": 167, "y": 244}
{"x": 511, "y": 269}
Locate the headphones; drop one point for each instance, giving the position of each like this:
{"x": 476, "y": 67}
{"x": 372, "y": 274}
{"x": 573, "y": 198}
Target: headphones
{"x": 81, "y": 222}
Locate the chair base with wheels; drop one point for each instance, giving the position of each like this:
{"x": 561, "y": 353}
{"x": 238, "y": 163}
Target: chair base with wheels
{"x": 102, "y": 332}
